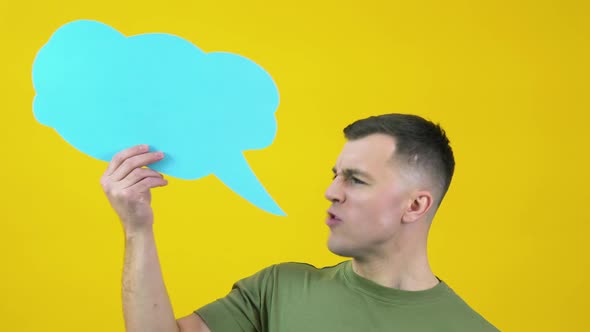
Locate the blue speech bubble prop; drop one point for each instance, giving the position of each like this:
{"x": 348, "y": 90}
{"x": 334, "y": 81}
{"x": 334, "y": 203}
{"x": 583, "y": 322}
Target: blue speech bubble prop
{"x": 104, "y": 92}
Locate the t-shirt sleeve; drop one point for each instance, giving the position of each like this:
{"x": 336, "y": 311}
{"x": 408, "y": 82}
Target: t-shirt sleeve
{"x": 245, "y": 308}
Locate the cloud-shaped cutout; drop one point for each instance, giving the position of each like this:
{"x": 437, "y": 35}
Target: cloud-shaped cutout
{"x": 103, "y": 92}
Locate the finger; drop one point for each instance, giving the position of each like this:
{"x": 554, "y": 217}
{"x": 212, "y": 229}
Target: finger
{"x": 120, "y": 157}
{"x": 134, "y": 162}
{"x": 137, "y": 175}
{"x": 147, "y": 183}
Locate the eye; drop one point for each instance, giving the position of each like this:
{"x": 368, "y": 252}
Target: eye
{"x": 356, "y": 180}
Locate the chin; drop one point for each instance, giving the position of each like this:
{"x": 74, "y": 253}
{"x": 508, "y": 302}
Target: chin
{"x": 339, "y": 248}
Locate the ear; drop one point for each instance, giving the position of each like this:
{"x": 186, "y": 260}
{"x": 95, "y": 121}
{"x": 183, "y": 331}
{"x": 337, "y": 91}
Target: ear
{"x": 419, "y": 205}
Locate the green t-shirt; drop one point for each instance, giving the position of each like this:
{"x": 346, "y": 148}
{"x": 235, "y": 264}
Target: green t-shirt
{"x": 296, "y": 297}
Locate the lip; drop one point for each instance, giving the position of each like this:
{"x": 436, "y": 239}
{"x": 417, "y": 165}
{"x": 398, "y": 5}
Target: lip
{"x": 332, "y": 219}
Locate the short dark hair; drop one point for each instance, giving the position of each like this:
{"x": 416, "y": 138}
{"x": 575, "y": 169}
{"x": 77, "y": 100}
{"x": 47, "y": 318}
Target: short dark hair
{"x": 420, "y": 143}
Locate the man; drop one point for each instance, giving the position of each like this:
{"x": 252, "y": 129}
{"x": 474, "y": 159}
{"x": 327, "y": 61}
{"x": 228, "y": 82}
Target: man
{"x": 389, "y": 181}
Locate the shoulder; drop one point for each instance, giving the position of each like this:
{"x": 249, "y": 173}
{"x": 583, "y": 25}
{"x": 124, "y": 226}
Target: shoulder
{"x": 299, "y": 267}
{"x": 461, "y": 309}
{"x": 299, "y": 270}
{"x": 296, "y": 269}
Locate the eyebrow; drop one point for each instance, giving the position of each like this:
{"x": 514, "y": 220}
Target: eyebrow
{"x": 350, "y": 172}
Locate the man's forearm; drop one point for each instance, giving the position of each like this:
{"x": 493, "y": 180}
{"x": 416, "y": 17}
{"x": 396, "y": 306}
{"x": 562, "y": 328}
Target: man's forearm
{"x": 146, "y": 304}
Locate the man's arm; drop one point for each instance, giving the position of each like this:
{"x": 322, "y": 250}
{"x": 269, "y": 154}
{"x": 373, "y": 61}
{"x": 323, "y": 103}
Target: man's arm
{"x": 192, "y": 323}
{"x": 146, "y": 304}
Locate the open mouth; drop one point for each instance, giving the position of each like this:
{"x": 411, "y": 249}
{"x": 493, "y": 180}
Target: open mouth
{"x": 332, "y": 219}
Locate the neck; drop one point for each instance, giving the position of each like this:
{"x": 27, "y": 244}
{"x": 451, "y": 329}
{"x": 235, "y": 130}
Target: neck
{"x": 404, "y": 269}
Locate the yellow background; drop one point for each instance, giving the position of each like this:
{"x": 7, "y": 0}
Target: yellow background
{"x": 507, "y": 79}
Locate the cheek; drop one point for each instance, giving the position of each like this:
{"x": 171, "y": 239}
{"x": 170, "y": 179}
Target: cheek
{"x": 385, "y": 211}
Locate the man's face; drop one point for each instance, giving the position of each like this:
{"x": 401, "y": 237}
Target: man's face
{"x": 368, "y": 196}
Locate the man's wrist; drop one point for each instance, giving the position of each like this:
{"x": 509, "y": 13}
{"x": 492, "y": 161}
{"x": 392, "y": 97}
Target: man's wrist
{"x": 141, "y": 233}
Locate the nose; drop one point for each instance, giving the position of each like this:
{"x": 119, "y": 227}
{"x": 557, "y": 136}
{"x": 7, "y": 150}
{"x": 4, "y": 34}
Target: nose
{"x": 334, "y": 193}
